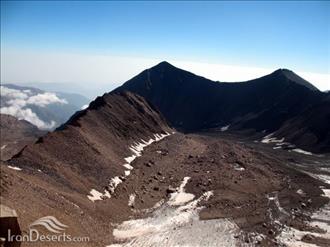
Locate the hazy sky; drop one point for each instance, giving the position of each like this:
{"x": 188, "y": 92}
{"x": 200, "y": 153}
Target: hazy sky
{"x": 102, "y": 44}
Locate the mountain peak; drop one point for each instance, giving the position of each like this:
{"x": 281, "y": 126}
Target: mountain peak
{"x": 164, "y": 64}
{"x": 290, "y": 75}
{"x": 282, "y": 71}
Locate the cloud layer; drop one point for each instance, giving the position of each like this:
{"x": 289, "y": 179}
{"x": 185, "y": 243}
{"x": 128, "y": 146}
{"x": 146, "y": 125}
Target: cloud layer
{"x": 16, "y": 103}
{"x": 94, "y": 71}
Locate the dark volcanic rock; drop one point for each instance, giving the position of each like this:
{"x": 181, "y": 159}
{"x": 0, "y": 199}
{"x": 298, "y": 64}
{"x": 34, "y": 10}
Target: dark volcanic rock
{"x": 311, "y": 129}
{"x": 192, "y": 103}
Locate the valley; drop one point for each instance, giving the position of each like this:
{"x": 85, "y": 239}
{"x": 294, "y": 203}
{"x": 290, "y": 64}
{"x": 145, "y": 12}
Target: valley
{"x": 217, "y": 186}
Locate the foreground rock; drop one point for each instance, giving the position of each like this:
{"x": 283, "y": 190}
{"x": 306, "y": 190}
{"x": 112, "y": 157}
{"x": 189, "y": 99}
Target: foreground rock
{"x": 72, "y": 173}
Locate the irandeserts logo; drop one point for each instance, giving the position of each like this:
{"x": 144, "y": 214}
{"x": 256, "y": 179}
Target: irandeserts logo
{"x": 51, "y": 224}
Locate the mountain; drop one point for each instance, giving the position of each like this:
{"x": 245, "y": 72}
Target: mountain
{"x": 46, "y": 110}
{"x": 296, "y": 78}
{"x": 74, "y": 99}
{"x": 83, "y": 160}
{"x": 102, "y": 134}
{"x": 15, "y": 135}
{"x": 310, "y": 130}
{"x": 193, "y": 103}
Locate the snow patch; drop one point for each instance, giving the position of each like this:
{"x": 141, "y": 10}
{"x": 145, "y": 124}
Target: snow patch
{"x": 180, "y": 196}
{"x": 95, "y": 195}
{"x": 275, "y": 209}
{"x": 114, "y": 182}
{"x": 298, "y": 150}
{"x": 174, "y": 225}
{"x": 131, "y": 200}
{"x": 128, "y": 166}
{"x": 237, "y": 167}
{"x": 4, "y": 146}
{"x": 270, "y": 139}
{"x": 224, "y": 128}
{"x": 15, "y": 168}
{"x": 301, "y": 192}
{"x": 324, "y": 178}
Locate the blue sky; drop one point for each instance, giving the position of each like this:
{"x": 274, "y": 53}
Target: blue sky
{"x": 257, "y": 34}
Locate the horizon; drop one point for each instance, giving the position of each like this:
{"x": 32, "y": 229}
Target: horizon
{"x": 252, "y": 74}
{"x": 100, "y": 45}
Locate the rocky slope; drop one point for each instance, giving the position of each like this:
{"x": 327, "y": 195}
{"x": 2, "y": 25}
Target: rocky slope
{"x": 81, "y": 163}
{"x": 16, "y": 134}
{"x": 311, "y": 129}
{"x": 93, "y": 140}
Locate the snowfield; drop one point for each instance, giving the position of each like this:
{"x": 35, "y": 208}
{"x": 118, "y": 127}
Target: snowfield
{"x": 174, "y": 222}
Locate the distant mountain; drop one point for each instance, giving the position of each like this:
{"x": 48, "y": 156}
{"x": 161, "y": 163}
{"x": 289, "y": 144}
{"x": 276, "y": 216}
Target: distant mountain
{"x": 86, "y": 89}
{"x": 46, "y": 110}
{"x": 15, "y": 134}
{"x": 193, "y": 103}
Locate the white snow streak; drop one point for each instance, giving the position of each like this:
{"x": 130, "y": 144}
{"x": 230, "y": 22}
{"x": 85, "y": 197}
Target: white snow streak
{"x": 137, "y": 149}
{"x": 298, "y": 150}
{"x": 181, "y": 197}
{"x": 270, "y": 139}
{"x": 15, "y": 168}
{"x": 224, "y": 128}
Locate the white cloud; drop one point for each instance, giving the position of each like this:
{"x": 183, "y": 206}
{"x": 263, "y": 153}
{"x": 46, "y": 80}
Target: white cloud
{"x": 16, "y": 102}
{"x": 23, "y": 98}
{"x": 27, "y": 115}
{"x": 45, "y": 99}
{"x": 12, "y": 93}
